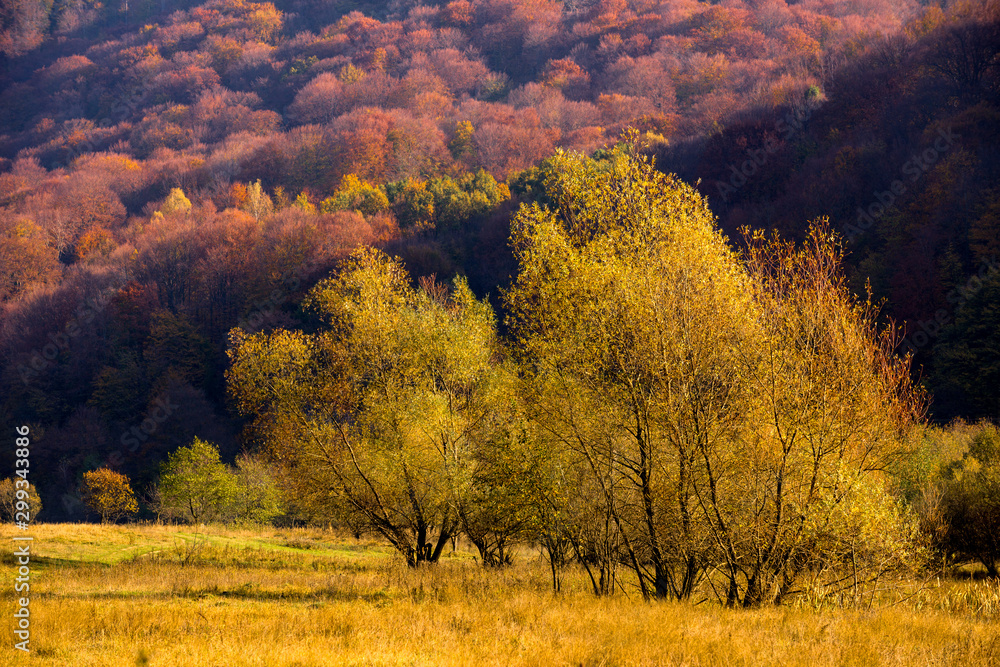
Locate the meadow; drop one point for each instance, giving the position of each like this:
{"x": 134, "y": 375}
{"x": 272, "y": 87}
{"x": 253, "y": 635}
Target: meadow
{"x": 182, "y": 595}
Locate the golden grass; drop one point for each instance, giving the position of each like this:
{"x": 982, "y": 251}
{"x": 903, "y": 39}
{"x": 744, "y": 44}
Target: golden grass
{"x": 173, "y": 596}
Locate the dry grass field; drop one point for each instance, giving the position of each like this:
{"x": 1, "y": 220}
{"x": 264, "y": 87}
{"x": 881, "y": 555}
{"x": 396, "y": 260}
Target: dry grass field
{"x": 177, "y": 597}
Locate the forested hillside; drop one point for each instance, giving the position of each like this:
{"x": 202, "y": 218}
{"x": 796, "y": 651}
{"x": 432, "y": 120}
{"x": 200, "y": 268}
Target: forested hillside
{"x": 171, "y": 170}
{"x": 902, "y": 155}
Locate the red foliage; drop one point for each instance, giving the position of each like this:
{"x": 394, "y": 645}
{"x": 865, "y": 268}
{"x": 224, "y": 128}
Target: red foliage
{"x": 377, "y": 145}
{"x": 183, "y": 84}
{"x": 459, "y": 73}
{"x": 643, "y": 77}
{"x": 504, "y": 148}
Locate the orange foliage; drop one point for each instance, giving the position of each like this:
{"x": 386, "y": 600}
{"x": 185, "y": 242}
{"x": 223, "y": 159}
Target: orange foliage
{"x": 237, "y": 196}
{"x": 457, "y": 13}
{"x": 502, "y": 148}
{"x": 565, "y": 74}
{"x": 25, "y": 257}
{"x": 606, "y": 14}
{"x": 96, "y": 242}
{"x": 719, "y": 28}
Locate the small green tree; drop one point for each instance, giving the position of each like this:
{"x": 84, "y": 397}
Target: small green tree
{"x": 258, "y": 498}
{"x": 195, "y": 486}
{"x": 461, "y": 142}
{"x": 413, "y": 204}
{"x": 505, "y": 489}
{"x": 109, "y": 494}
{"x": 14, "y": 490}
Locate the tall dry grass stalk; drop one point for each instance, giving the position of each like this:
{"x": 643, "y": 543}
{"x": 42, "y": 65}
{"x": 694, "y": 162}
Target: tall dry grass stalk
{"x": 173, "y": 596}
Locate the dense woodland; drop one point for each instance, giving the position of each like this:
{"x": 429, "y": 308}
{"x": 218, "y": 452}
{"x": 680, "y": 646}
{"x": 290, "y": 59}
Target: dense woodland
{"x": 172, "y": 170}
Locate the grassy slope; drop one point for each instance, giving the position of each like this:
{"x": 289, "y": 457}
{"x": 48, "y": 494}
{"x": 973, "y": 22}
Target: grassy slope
{"x": 163, "y": 595}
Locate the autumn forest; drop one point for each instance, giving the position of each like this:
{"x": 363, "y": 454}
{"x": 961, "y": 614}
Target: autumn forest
{"x": 697, "y": 298}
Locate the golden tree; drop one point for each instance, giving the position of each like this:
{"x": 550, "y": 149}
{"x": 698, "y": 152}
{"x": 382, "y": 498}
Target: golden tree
{"x": 708, "y": 411}
{"x": 109, "y": 494}
{"x": 379, "y": 416}
{"x": 832, "y": 406}
{"x": 629, "y": 306}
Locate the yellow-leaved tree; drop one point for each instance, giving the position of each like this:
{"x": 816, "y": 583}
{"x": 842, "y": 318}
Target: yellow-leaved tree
{"x": 629, "y": 308}
{"x": 383, "y": 417}
{"x": 706, "y": 411}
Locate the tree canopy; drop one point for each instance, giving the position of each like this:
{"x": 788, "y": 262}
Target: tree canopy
{"x": 717, "y": 408}
{"x": 668, "y": 406}
{"x": 381, "y": 414}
